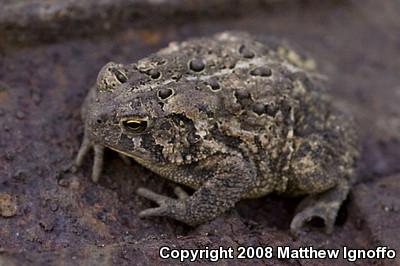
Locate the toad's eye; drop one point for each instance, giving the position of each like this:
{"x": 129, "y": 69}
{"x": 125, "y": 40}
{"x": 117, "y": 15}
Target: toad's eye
{"x": 120, "y": 76}
{"x": 135, "y": 126}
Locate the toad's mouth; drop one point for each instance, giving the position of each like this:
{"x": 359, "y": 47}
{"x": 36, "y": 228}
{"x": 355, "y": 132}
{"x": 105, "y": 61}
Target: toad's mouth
{"x": 138, "y": 156}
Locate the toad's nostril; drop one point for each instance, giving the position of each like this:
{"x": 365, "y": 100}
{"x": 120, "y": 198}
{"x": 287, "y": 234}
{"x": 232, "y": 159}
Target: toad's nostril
{"x": 101, "y": 119}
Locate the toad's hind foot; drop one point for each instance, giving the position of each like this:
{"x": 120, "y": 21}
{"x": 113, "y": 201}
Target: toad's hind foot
{"x": 324, "y": 206}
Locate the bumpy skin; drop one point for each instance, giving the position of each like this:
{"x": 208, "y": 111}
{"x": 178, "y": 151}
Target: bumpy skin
{"x": 232, "y": 117}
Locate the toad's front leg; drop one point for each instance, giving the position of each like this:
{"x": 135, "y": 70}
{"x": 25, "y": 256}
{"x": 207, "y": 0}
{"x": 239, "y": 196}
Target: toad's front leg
{"x": 98, "y": 149}
{"x": 226, "y": 185}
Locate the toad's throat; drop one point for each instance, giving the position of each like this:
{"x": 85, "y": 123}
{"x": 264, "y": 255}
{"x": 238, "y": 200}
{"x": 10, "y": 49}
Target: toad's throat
{"x": 165, "y": 170}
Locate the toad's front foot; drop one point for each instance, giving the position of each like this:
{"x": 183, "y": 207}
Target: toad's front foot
{"x": 86, "y": 145}
{"x": 168, "y": 206}
{"x": 216, "y": 195}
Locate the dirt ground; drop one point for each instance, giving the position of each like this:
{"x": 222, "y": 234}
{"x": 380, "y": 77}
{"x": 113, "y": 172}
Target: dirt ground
{"x": 52, "y": 216}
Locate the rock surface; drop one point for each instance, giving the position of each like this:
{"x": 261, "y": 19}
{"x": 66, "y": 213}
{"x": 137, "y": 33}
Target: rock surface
{"x": 383, "y": 223}
{"x": 8, "y": 205}
{"x": 59, "y": 215}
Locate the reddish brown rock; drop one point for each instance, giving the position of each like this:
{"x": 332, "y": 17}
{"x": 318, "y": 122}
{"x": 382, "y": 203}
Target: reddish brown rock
{"x": 8, "y": 205}
{"x": 62, "y": 216}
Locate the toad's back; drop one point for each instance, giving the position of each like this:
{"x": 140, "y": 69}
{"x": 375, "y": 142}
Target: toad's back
{"x": 254, "y": 97}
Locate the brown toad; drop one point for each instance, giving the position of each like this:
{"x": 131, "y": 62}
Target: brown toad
{"x": 230, "y": 116}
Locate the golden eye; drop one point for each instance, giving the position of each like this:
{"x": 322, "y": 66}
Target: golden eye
{"x": 136, "y": 126}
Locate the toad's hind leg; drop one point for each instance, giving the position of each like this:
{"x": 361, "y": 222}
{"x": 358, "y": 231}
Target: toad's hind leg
{"x": 324, "y": 206}
{"x": 322, "y": 171}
